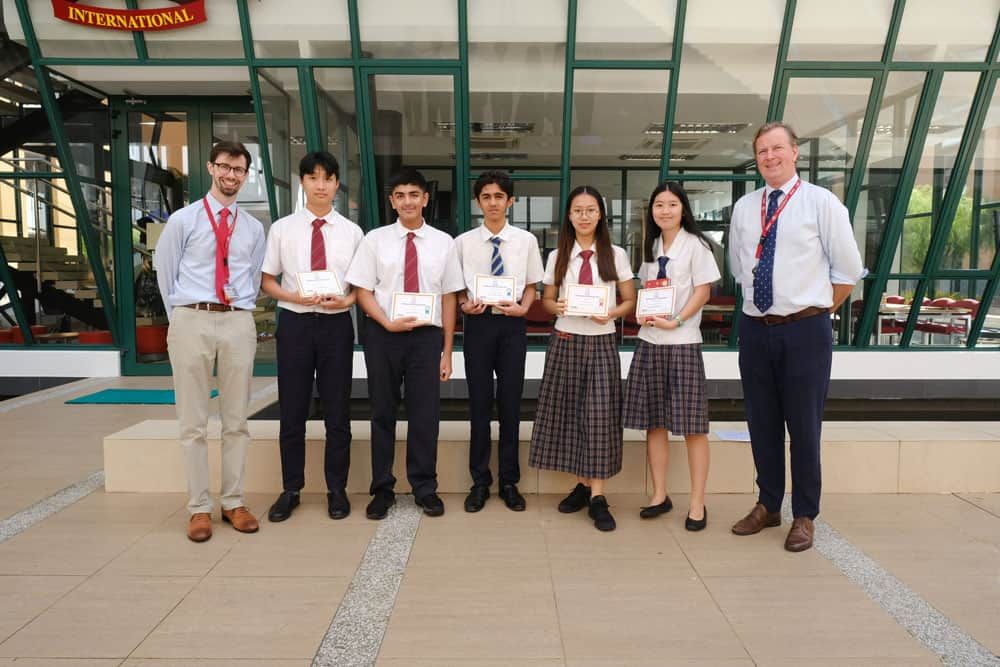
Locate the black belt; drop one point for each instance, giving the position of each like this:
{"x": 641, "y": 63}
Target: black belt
{"x": 774, "y": 320}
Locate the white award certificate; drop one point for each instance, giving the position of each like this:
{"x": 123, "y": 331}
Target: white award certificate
{"x": 413, "y": 304}
{"x": 494, "y": 289}
{"x": 655, "y": 301}
{"x": 588, "y": 300}
{"x": 321, "y": 283}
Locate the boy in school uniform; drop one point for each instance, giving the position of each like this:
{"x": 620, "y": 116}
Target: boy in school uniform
{"x": 496, "y": 335}
{"x": 405, "y": 258}
{"x": 315, "y": 336}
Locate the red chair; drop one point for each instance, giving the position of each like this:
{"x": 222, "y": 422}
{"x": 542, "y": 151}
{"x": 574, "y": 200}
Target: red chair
{"x": 539, "y": 320}
{"x": 895, "y": 299}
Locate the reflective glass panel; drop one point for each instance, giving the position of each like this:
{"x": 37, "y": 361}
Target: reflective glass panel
{"x": 338, "y": 124}
{"x": 948, "y": 311}
{"x": 218, "y": 37}
{"x": 400, "y": 29}
{"x": 625, "y": 30}
{"x": 846, "y": 30}
{"x": 941, "y": 31}
{"x": 281, "y": 101}
{"x": 291, "y": 29}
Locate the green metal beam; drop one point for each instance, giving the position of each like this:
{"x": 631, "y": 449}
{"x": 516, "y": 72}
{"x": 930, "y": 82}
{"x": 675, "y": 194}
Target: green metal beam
{"x": 989, "y": 293}
{"x": 246, "y": 34}
{"x": 567, "y": 128}
{"x": 895, "y": 21}
{"x": 624, "y": 64}
{"x": 310, "y": 110}
{"x": 777, "y": 82}
{"x": 463, "y": 102}
{"x": 121, "y": 205}
{"x": 670, "y": 112}
{"x": 137, "y": 36}
{"x": 853, "y": 193}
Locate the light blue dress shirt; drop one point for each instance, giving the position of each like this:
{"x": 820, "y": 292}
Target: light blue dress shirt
{"x": 185, "y": 257}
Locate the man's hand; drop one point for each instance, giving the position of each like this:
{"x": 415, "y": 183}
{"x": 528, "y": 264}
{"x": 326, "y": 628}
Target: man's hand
{"x": 512, "y": 309}
{"x": 445, "y": 367}
{"x": 403, "y": 324}
{"x": 473, "y": 307}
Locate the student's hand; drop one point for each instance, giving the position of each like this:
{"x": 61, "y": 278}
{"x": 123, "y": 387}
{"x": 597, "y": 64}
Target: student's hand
{"x": 512, "y": 309}
{"x": 661, "y": 322}
{"x": 335, "y": 302}
{"x": 403, "y": 324}
{"x": 601, "y": 320}
{"x": 473, "y": 307}
{"x": 309, "y": 300}
{"x": 561, "y": 307}
{"x": 445, "y": 367}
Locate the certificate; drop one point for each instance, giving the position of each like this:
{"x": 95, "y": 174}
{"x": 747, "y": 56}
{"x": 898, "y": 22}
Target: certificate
{"x": 413, "y": 304}
{"x": 321, "y": 283}
{"x": 494, "y": 289}
{"x": 655, "y": 301}
{"x": 588, "y": 300}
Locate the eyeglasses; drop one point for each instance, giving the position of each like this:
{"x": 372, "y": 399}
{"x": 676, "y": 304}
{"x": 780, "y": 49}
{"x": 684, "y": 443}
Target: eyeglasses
{"x": 226, "y": 169}
{"x": 585, "y": 212}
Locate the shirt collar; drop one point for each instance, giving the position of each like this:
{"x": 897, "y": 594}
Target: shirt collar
{"x": 309, "y": 216}
{"x": 676, "y": 248}
{"x": 577, "y": 250}
{"x": 786, "y": 188}
{"x": 217, "y": 206}
{"x": 402, "y": 231}
{"x": 485, "y": 234}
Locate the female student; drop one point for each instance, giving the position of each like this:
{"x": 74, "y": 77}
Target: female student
{"x": 665, "y": 389}
{"x": 578, "y": 420}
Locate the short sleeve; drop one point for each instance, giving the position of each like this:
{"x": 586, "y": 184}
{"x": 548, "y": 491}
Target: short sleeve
{"x": 704, "y": 269}
{"x": 550, "y": 269}
{"x": 362, "y": 272}
{"x": 535, "y": 270}
{"x": 272, "y": 254}
{"x": 452, "y": 280}
{"x": 622, "y": 266}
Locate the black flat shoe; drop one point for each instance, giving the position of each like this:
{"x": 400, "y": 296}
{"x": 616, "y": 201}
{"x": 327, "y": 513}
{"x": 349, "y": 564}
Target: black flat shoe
{"x": 476, "y": 498}
{"x": 512, "y": 498}
{"x": 432, "y": 504}
{"x": 337, "y": 505}
{"x": 694, "y": 525}
{"x": 283, "y": 506}
{"x": 577, "y": 499}
{"x": 380, "y": 504}
{"x": 600, "y": 513}
{"x": 653, "y": 511}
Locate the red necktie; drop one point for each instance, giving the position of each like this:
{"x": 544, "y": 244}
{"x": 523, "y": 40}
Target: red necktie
{"x": 411, "y": 277}
{"x": 586, "y": 273}
{"x": 318, "y": 247}
{"x": 222, "y": 255}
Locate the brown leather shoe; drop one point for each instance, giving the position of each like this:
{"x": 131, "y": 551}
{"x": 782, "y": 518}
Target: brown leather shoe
{"x": 758, "y": 519}
{"x": 200, "y": 527}
{"x": 241, "y": 519}
{"x": 800, "y": 536}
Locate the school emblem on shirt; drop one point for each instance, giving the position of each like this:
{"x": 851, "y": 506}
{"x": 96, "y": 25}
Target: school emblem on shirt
{"x": 181, "y": 14}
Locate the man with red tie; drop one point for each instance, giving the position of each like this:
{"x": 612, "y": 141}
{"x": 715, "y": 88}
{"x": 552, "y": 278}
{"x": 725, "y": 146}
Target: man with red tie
{"x": 408, "y": 262}
{"x": 315, "y": 335}
{"x": 208, "y": 263}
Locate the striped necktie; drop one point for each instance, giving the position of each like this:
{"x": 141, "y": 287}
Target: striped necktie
{"x": 496, "y": 262}
{"x": 318, "y": 254}
{"x": 411, "y": 275}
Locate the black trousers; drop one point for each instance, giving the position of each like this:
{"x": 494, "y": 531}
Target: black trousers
{"x": 494, "y": 344}
{"x": 409, "y": 361}
{"x": 322, "y": 346}
{"x": 785, "y": 370}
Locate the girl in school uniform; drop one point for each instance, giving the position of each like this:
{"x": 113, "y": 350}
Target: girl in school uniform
{"x": 665, "y": 389}
{"x": 578, "y": 420}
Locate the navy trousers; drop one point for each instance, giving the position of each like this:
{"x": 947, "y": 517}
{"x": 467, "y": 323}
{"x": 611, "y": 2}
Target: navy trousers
{"x": 410, "y": 361}
{"x": 322, "y": 346}
{"x": 785, "y": 371}
{"x": 494, "y": 344}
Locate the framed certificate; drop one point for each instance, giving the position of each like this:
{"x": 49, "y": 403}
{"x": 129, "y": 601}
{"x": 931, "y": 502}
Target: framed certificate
{"x": 588, "y": 300}
{"x": 420, "y": 305}
{"x": 494, "y": 289}
{"x": 321, "y": 283}
{"x": 655, "y": 301}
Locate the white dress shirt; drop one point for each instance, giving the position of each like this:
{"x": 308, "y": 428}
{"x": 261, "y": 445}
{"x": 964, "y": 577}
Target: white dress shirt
{"x": 380, "y": 260}
{"x": 289, "y": 251}
{"x": 184, "y": 258}
{"x": 585, "y": 326}
{"x": 519, "y": 251}
{"x": 691, "y": 264}
{"x": 815, "y": 248}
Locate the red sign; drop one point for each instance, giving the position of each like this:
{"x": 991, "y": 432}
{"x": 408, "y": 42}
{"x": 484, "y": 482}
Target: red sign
{"x": 139, "y": 20}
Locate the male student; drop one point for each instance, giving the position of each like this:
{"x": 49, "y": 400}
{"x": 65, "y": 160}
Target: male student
{"x": 394, "y": 263}
{"x": 496, "y": 335}
{"x": 315, "y": 336}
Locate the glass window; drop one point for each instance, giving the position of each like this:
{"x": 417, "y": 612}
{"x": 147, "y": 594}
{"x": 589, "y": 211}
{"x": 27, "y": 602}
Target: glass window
{"x": 282, "y": 104}
{"x": 218, "y": 37}
{"x": 61, "y": 39}
{"x": 400, "y": 29}
{"x": 626, "y": 30}
{"x": 947, "y": 312}
{"x": 726, "y": 71}
{"x": 338, "y": 123}
{"x": 517, "y": 54}
{"x": 936, "y": 31}
{"x": 828, "y": 115}
{"x": 152, "y": 80}
{"x": 847, "y": 30}
{"x": 291, "y": 29}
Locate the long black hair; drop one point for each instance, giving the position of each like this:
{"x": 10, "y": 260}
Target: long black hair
{"x": 687, "y": 219}
{"x": 602, "y": 239}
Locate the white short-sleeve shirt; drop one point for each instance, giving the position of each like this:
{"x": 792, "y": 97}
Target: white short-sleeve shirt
{"x": 691, "y": 264}
{"x": 289, "y": 251}
{"x": 518, "y": 249}
{"x": 380, "y": 260}
{"x": 585, "y": 326}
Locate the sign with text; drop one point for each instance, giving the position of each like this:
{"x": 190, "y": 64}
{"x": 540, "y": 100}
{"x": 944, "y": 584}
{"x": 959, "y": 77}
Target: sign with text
{"x": 140, "y": 20}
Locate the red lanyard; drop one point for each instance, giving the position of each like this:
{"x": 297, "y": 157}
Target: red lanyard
{"x": 768, "y": 225}
{"x": 223, "y": 243}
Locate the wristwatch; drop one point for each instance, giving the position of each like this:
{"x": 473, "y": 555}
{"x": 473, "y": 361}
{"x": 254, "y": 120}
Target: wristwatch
{"x": 679, "y": 321}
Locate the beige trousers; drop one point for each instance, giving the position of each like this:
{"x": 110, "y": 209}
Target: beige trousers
{"x": 198, "y": 340}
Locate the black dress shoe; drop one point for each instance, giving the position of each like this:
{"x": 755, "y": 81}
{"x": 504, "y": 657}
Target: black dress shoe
{"x": 653, "y": 511}
{"x": 283, "y": 506}
{"x": 577, "y": 499}
{"x": 432, "y": 504}
{"x": 337, "y": 504}
{"x": 512, "y": 498}
{"x": 600, "y": 513}
{"x": 695, "y": 525}
{"x": 380, "y": 504}
{"x": 476, "y": 498}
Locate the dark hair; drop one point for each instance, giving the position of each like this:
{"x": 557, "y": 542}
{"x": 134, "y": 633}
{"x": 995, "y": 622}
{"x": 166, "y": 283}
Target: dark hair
{"x": 496, "y": 177}
{"x": 321, "y": 159}
{"x": 602, "y": 239}
{"x": 233, "y": 148}
{"x": 407, "y": 176}
{"x": 687, "y": 219}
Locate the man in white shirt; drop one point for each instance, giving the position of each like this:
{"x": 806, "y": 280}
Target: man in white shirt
{"x": 408, "y": 262}
{"x": 793, "y": 251}
{"x": 496, "y": 340}
{"x": 315, "y": 335}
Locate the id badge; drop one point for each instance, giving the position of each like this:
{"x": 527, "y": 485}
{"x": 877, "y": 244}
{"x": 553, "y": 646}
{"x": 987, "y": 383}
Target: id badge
{"x": 230, "y": 292}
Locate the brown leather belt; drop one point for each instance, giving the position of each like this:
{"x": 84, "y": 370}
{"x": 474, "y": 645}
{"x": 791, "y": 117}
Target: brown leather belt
{"x": 211, "y": 307}
{"x": 774, "y": 320}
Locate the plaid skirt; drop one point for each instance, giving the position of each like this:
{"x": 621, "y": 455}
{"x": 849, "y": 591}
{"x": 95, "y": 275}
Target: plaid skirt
{"x": 578, "y": 423}
{"x": 666, "y": 389}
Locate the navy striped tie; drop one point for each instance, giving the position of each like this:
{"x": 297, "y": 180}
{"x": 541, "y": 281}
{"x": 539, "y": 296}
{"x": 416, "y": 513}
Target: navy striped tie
{"x": 662, "y": 273}
{"x": 496, "y": 263}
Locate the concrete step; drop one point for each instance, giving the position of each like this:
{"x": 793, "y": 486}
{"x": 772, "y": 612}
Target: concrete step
{"x": 858, "y": 457}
